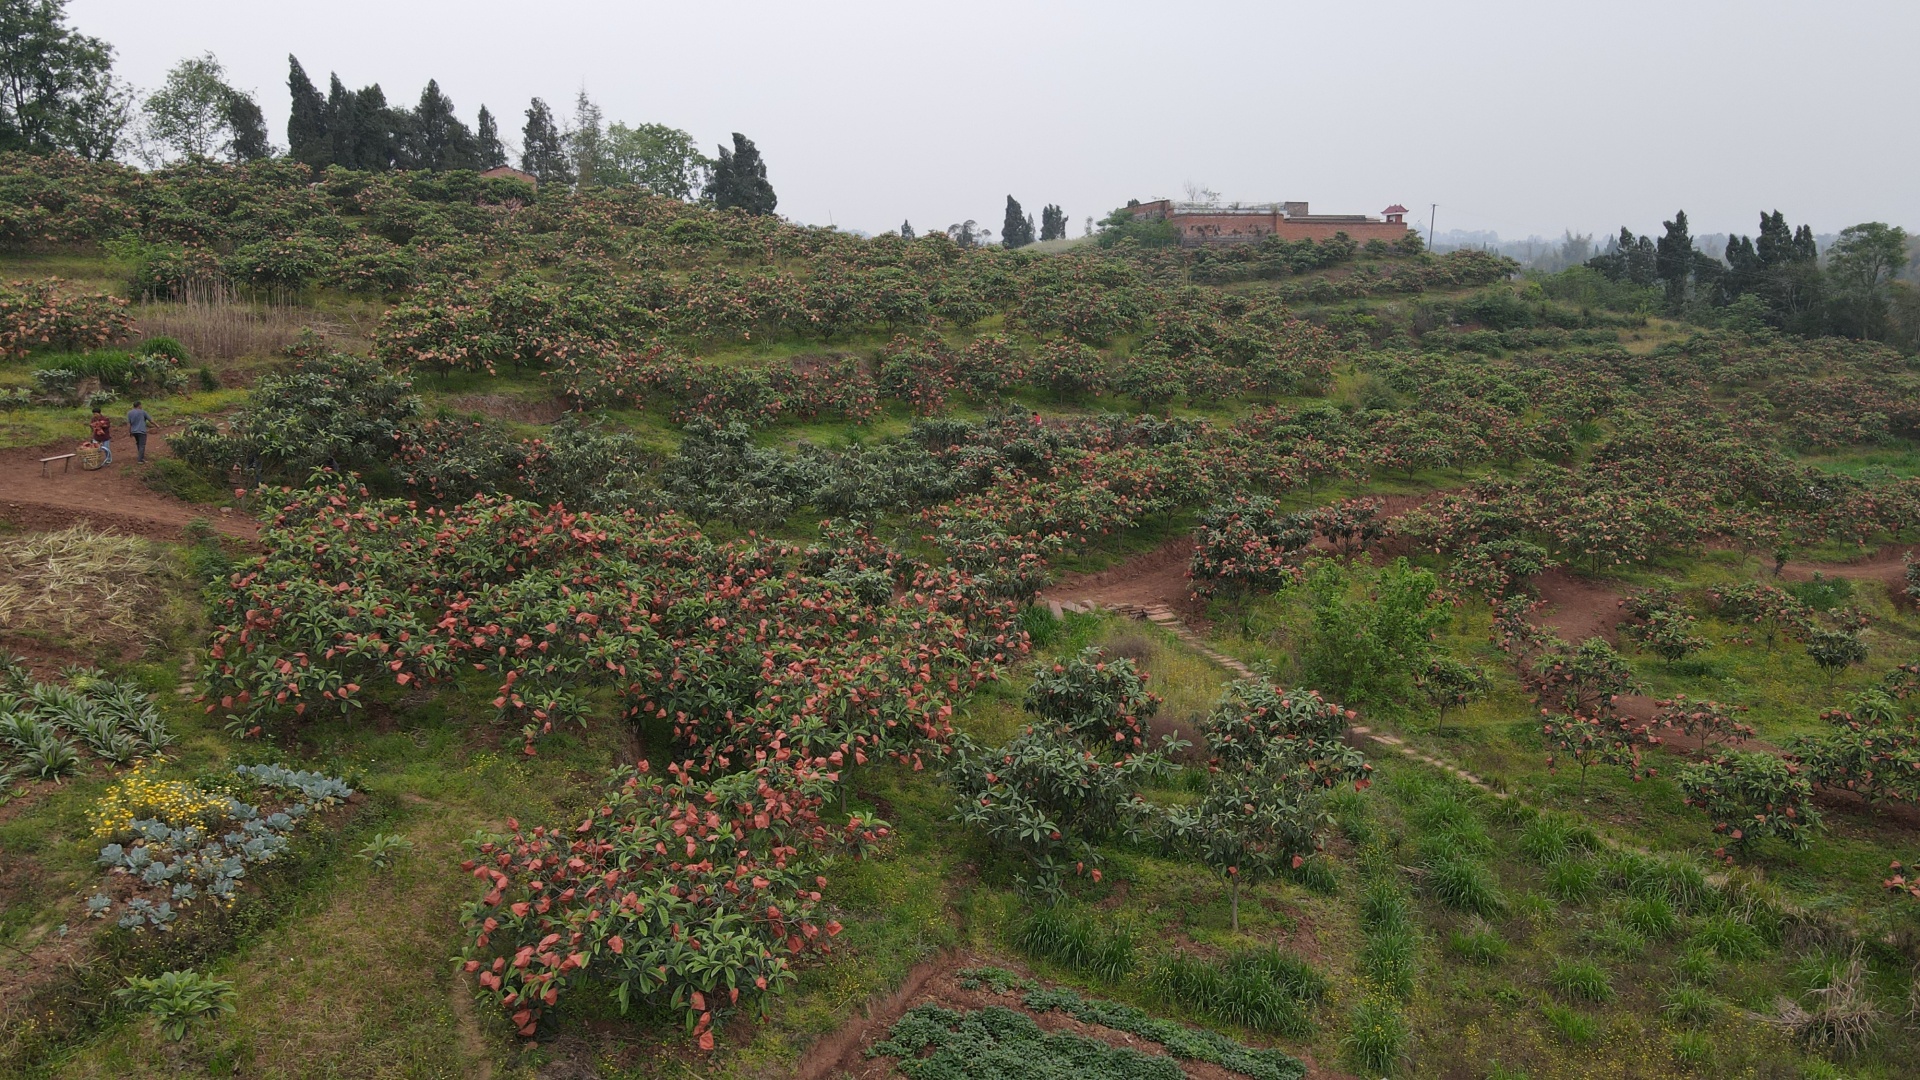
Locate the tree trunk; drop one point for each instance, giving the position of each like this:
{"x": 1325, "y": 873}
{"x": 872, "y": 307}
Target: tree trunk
{"x": 1233, "y": 890}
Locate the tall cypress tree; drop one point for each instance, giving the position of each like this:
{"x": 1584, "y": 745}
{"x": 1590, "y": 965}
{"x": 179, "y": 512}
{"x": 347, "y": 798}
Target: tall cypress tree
{"x": 308, "y": 140}
{"x": 542, "y": 151}
{"x": 488, "y": 153}
{"x": 381, "y": 132}
{"x": 1673, "y": 260}
{"x": 587, "y": 142}
{"x": 249, "y": 127}
{"x": 739, "y": 179}
{"x": 343, "y": 124}
{"x": 1053, "y": 222}
{"x": 1775, "y": 246}
{"x": 438, "y": 139}
{"x": 1016, "y": 229}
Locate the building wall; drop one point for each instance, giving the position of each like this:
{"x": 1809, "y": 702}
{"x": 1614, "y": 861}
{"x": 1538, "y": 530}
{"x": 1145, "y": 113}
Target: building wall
{"x": 1198, "y": 230}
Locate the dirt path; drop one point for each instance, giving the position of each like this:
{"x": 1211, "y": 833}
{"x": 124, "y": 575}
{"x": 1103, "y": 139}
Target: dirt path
{"x": 936, "y": 982}
{"x": 1577, "y": 609}
{"x": 1887, "y": 566}
{"x": 114, "y": 497}
{"x": 1157, "y": 579}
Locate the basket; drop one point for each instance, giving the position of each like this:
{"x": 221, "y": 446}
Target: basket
{"x": 90, "y": 456}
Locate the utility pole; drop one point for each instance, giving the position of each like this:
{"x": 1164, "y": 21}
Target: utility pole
{"x": 1433, "y": 214}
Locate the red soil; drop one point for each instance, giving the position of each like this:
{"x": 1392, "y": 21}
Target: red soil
{"x": 1887, "y": 566}
{"x": 113, "y": 497}
{"x": 1157, "y": 578}
{"x": 1577, "y": 609}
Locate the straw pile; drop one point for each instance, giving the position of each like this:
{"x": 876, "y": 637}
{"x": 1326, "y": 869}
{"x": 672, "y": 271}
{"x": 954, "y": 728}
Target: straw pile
{"x": 81, "y": 584}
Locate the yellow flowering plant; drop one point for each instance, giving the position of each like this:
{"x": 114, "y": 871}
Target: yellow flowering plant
{"x": 138, "y": 796}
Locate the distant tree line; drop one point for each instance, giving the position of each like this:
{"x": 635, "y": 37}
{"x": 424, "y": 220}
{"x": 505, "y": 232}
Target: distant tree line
{"x": 58, "y": 94}
{"x": 1017, "y": 230}
{"x": 1777, "y": 279}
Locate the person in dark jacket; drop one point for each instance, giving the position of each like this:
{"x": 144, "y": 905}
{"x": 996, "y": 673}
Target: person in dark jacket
{"x": 137, "y": 420}
{"x": 102, "y": 433}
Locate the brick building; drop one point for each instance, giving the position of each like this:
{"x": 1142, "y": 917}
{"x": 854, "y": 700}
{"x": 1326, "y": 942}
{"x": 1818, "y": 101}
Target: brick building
{"x": 1202, "y": 226}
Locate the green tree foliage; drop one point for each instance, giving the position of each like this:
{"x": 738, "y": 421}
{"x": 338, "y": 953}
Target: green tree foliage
{"x": 586, "y": 141}
{"x": 1070, "y": 780}
{"x": 1275, "y": 755}
{"x": 57, "y": 91}
{"x": 1053, "y": 222}
{"x": 1628, "y": 258}
{"x": 543, "y": 152}
{"x": 1861, "y": 267}
{"x": 1449, "y": 683}
{"x": 1749, "y": 796}
{"x": 662, "y": 159}
{"x": 1016, "y": 230}
{"x": 329, "y": 410}
{"x": 488, "y": 152}
{"x": 197, "y": 116}
{"x": 739, "y": 180}
{"x": 1372, "y": 635}
{"x": 1121, "y": 226}
{"x": 436, "y": 138}
{"x": 1835, "y": 651}
{"x": 1099, "y": 700}
{"x": 308, "y": 140}
{"x": 1673, "y": 260}
{"x": 720, "y": 473}
{"x": 249, "y": 141}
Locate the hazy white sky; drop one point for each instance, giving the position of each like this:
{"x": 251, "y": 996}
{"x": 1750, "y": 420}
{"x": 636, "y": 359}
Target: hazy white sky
{"x": 1514, "y": 116}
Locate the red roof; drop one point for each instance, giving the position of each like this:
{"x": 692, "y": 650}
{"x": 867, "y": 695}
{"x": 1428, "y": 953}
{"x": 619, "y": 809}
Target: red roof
{"x": 1396, "y": 208}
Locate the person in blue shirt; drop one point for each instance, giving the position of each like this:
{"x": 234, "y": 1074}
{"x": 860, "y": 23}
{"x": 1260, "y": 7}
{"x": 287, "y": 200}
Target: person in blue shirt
{"x": 137, "y": 420}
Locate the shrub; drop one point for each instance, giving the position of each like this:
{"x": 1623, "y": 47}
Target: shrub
{"x": 690, "y": 894}
{"x": 1822, "y": 593}
{"x": 1572, "y": 1025}
{"x": 1260, "y": 989}
{"x": 329, "y": 410}
{"x": 1710, "y": 722}
{"x": 1376, "y": 1038}
{"x": 1548, "y": 837}
{"x": 1249, "y": 545}
{"x": 1581, "y": 980}
{"x": 1835, "y": 651}
{"x": 1478, "y": 945}
{"x": 1078, "y": 942}
{"x": 1728, "y": 938}
{"x": 1749, "y": 796}
{"x": 1370, "y": 638}
{"x": 1276, "y": 755}
{"x": 178, "y": 1000}
{"x": 1097, "y": 699}
{"x": 1573, "y": 880}
{"x": 1690, "y": 1005}
{"x": 1602, "y": 738}
{"x": 1770, "y": 608}
{"x": 1046, "y": 799}
{"x": 39, "y": 314}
